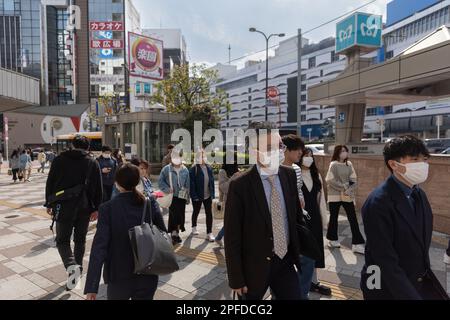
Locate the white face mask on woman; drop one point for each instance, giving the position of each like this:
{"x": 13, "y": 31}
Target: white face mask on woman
{"x": 416, "y": 172}
{"x": 308, "y": 161}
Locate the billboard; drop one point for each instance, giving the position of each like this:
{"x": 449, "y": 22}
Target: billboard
{"x": 145, "y": 57}
{"x": 106, "y": 26}
{"x": 107, "y": 44}
{"x": 358, "y": 30}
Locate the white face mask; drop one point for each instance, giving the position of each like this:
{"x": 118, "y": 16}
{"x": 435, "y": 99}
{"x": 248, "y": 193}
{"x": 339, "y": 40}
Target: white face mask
{"x": 271, "y": 162}
{"x": 308, "y": 161}
{"x": 176, "y": 161}
{"x": 416, "y": 172}
{"x": 344, "y": 155}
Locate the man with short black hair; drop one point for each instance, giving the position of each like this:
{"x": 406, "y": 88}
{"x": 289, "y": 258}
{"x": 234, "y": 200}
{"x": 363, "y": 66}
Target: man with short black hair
{"x": 108, "y": 167}
{"x": 73, "y": 194}
{"x": 398, "y": 223}
{"x": 263, "y": 210}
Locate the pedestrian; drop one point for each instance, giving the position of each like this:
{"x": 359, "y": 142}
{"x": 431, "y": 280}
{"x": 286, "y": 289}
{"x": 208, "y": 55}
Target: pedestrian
{"x": 166, "y": 158}
{"x": 202, "y": 191}
{"x": 316, "y": 207}
{"x": 294, "y": 151}
{"x": 1, "y": 161}
{"x": 145, "y": 180}
{"x": 398, "y": 222}
{"x": 75, "y": 177}
{"x": 229, "y": 171}
{"x": 42, "y": 159}
{"x": 174, "y": 178}
{"x": 111, "y": 248}
{"x": 263, "y": 210}
{"x": 341, "y": 186}
{"x": 108, "y": 166}
{"x": 29, "y": 165}
{"x": 25, "y": 165}
{"x": 117, "y": 155}
{"x": 50, "y": 157}
{"x": 14, "y": 164}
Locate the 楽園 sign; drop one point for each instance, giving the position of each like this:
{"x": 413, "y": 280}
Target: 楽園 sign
{"x": 358, "y": 30}
{"x": 146, "y": 57}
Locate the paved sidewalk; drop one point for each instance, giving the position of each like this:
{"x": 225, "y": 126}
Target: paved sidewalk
{"x": 30, "y": 267}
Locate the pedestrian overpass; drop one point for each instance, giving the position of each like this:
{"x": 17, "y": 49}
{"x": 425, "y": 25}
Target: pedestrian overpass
{"x": 18, "y": 90}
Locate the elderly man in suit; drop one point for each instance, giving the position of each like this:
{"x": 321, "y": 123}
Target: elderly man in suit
{"x": 398, "y": 223}
{"x": 261, "y": 241}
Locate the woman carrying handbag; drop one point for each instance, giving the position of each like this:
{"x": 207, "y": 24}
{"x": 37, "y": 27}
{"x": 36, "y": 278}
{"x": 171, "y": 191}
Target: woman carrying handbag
{"x": 112, "y": 247}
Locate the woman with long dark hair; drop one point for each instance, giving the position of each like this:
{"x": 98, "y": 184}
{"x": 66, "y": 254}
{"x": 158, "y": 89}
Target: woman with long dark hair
{"x": 316, "y": 207}
{"x": 341, "y": 183}
{"x": 14, "y": 164}
{"x": 111, "y": 247}
{"x": 229, "y": 171}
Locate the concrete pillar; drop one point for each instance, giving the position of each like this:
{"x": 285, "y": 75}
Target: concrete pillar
{"x": 350, "y": 123}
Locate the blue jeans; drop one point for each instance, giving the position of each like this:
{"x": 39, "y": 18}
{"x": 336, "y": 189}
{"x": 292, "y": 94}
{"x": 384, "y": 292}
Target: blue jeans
{"x": 221, "y": 234}
{"x": 305, "y": 275}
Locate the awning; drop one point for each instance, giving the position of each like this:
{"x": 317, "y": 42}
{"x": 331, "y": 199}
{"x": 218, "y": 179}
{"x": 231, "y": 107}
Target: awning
{"x": 65, "y": 110}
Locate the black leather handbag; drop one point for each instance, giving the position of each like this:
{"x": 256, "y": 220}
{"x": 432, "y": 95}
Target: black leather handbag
{"x": 308, "y": 243}
{"x": 152, "y": 248}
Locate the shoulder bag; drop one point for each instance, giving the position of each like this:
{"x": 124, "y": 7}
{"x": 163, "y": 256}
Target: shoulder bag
{"x": 152, "y": 248}
{"x": 166, "y": 200}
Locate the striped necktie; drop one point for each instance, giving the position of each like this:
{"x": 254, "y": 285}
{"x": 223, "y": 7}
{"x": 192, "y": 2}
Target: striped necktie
{"x": 278, "y": 226}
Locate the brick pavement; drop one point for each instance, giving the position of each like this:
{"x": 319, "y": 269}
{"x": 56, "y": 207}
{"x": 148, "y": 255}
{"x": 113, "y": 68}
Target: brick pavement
{"x": 30, "y": 267}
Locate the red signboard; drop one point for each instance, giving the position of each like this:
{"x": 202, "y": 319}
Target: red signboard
{"x": 106, "y": 26}
{"x": 107, "y": 44}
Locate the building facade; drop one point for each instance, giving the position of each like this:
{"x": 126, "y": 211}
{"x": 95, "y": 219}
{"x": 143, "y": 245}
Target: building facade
{"x": 407, "y": 22}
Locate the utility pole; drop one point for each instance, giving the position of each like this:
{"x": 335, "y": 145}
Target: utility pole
{"x": 299, "y": 83}
{"x": 229, "y": 54}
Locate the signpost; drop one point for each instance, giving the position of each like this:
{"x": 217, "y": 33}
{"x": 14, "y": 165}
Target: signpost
{"x": 309, "y": 130}
{"x": 5, "y": 125}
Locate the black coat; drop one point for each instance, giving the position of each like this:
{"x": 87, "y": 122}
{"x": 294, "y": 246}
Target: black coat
{"x": 69, "y": 170}
{"x": 111, "y": 246}
{"x": 248, "y": 228}
{"x": 395, "y": 244}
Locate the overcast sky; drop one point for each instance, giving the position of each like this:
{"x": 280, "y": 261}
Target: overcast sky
{"x": 209, "y": 26}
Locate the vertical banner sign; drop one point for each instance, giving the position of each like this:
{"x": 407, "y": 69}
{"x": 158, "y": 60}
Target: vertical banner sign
{"x": 146, "y": 57}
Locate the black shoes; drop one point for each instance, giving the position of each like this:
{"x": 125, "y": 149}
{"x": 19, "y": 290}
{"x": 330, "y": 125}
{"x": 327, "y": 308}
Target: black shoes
{"x": 176, "y": 240}
{"x": 320, "y": 289}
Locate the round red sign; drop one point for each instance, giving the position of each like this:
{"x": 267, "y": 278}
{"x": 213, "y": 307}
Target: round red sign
{"x": 272, "y": 92}
{"x": 146, "y": 54}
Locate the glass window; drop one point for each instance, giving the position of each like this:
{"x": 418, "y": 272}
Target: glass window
{"x": 8, "y": 5}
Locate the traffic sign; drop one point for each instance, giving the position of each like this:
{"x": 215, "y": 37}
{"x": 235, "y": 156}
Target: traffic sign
{"x": 272, "y": 93}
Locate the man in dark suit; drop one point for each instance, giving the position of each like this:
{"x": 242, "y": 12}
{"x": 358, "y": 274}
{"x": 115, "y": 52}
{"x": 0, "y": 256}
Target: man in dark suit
{"x": 263, "y": 209}
{"x": 398, "y": 223}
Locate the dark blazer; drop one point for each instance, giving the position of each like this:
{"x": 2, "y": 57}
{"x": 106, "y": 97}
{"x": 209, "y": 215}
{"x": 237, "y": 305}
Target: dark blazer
{"x": 197, "y": 187}
{"x": 395, "y": 244}
{"x": 248, "y": 228}
{"x": 111, "y": 246}
{"x": 108, "y": 178}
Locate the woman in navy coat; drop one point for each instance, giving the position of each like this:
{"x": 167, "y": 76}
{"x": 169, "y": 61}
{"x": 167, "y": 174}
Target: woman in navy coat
{"x": 111, "y": 247}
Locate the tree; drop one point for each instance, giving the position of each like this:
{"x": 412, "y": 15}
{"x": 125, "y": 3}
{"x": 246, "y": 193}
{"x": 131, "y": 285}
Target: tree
{"x": 188, "y": 91}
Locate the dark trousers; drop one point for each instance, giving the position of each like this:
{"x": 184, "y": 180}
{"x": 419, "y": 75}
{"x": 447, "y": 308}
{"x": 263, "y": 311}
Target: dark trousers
{"x": 136, "y": 288}
{"x": 283, "y": 282}
{"x": 14, "y": 173}
{"x": 64, "y": 230}
{"x": 177, "y": 211}
{"x": 207, "y": 203}
{"x": 107, "y": 192}
{"x": 349, "y": 208}
{"x": 448, "y": 249}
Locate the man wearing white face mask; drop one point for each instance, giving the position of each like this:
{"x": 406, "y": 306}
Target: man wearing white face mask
{"x": 263, "y": 210}
{"x": 108, "y": 166}
{"x": 398, "y": 222}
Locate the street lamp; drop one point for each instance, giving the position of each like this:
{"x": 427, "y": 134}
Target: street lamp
{"x": 267, "y": 59}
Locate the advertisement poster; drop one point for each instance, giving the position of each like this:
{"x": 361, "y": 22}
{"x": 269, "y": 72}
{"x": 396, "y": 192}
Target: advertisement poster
{"x": 146, "y": 57}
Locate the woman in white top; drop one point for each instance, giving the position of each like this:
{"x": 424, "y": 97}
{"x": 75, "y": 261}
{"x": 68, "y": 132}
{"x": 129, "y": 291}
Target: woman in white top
{"x": 315, "y": 205}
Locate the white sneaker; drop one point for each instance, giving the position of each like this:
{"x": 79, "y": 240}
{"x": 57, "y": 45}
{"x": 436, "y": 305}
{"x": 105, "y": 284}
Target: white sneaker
{"x": 334, "y": 244}
{"x": 194, "y": 231}
{"x": 446, "y": 259}
{"x": 220, "y": 243}
{"x": 358, "y": 248}
{"x": 210, "y": 237}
